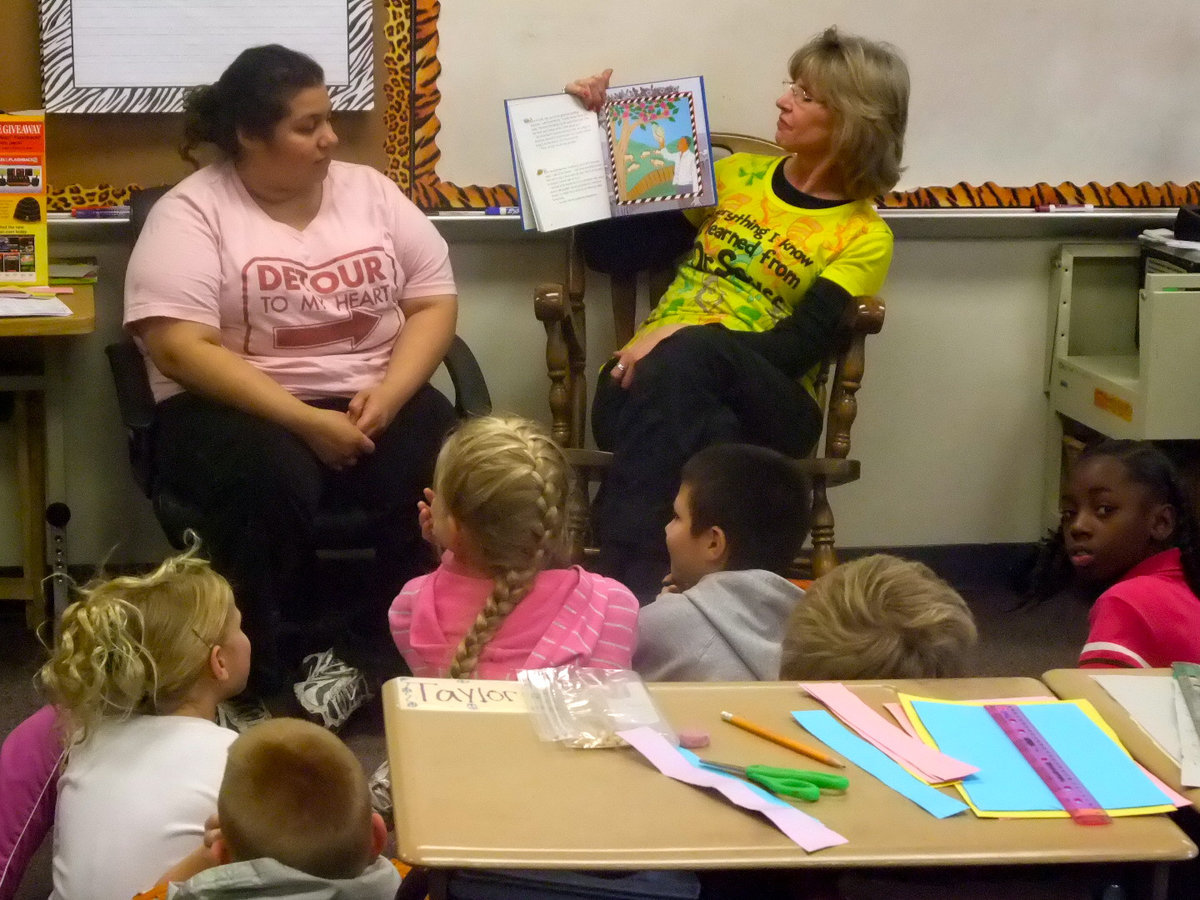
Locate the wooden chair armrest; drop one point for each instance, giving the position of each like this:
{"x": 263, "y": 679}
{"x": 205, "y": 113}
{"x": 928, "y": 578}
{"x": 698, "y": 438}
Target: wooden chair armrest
{"x": 833, "y": 471}
{"x": 550, "y": 302}
{"x": 864, "y": 315}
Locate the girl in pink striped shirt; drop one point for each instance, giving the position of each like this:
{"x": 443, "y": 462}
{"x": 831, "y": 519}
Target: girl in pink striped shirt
{"x": 501, "y": 600}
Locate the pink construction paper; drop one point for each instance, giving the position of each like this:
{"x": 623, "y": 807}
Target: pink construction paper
{"x": 897, "y": 711}
{"x": 806, "y": 831}
{"x": 928, "y": 762}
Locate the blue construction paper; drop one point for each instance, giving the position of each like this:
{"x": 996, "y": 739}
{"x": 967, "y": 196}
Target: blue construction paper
{"x": 1007, "y": 783}
{"x": 825, "y": 728}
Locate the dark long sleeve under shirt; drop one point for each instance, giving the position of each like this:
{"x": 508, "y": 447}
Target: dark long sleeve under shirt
{"x": 804, "y": 338}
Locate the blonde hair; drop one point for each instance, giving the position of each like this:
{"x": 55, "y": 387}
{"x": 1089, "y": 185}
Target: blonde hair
{"x": 137, "y": 644}
{"x": 293, "y": 792}
{"x": 865, "y": 83}
{"x": 507, "y": 484}
{"x": 877, "y": 617}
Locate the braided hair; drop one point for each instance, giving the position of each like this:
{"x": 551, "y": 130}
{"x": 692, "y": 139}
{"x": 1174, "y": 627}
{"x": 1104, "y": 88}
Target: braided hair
{"x": 507, "y": 484}
{"x": 1148, "y": 466}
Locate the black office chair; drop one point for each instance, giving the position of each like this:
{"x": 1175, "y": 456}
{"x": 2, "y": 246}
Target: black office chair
{"x": 341, "y": 526}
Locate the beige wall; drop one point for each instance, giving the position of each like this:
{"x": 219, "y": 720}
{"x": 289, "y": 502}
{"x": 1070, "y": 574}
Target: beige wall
{"x": 950, "y": 429}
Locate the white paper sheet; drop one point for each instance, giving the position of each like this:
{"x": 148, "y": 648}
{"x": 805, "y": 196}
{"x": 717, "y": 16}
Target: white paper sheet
{"x": 143, "y": 55}
{"x": 1148, "y": 700}
{"x": 1189, "y": 741}
{"x": 13, "y": 307}
{"x": 165, "y": 43}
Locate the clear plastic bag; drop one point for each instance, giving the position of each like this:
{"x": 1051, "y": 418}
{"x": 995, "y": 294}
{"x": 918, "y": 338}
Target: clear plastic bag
{"x": 585, "y": 708}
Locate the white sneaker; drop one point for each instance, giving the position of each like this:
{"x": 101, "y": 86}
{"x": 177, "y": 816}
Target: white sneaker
{"x": 380, "y": 786}
{"x": 331, "y": 689}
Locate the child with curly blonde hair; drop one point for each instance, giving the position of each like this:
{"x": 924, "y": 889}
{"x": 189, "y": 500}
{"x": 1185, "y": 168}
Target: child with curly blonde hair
{"x": 502, "y": 600}
{"x": 136, "y": 675}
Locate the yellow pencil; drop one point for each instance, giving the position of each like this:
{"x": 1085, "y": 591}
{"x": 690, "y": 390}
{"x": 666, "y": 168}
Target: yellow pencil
{"x": 782, "y": 741}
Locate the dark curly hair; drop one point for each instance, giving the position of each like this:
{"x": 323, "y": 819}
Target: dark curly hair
{"x": 251, "y": 95}
{"x": 1148, "y": 466}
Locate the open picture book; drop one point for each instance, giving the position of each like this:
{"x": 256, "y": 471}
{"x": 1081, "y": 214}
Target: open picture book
{"x": 647, "y": 150}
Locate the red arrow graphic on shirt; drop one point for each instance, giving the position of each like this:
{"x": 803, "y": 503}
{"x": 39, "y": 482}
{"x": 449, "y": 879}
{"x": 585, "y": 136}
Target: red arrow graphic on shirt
{"x": 354, "y": 328}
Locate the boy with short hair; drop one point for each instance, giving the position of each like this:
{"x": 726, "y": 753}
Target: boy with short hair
{"x": 877, "y": 617}
{"x": 295, "y": 821}
{"x": 741, "y": 517}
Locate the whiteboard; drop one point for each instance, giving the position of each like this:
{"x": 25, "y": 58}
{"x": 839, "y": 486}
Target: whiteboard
{"x": 143, "y": 55}
{"x": 1014, "y": 92}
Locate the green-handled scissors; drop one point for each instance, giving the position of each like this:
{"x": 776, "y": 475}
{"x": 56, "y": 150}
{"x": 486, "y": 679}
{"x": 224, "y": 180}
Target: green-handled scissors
{"x": 799, "y": 783}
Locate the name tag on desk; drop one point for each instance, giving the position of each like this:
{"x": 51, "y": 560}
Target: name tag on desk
{"x": 464, "y": 695}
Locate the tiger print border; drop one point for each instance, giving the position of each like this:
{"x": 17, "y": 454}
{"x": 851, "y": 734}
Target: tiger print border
{"x": 411, "y": 127}
{"x": 413, "y": 155}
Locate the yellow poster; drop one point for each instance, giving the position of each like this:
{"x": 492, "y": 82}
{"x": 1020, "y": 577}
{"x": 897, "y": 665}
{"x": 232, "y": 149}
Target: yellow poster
{"x": 24, "y": 257}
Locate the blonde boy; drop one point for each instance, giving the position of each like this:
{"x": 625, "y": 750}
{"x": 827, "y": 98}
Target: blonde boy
{"x": 877, "y": 617}
{"x": 295, "y": 821}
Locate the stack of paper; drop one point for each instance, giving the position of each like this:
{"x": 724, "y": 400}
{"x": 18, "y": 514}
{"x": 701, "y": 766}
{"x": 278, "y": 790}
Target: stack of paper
{"x": 1007, "y": 786}
{"x": 1156, "y": 704}
{"x": 18, "y": 303}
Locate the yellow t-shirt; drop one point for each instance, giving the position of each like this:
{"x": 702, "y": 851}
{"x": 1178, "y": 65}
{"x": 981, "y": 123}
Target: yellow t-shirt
{"x": 755, "y": 256}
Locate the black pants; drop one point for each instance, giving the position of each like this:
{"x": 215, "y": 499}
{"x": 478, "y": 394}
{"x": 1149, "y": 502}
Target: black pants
{"x": 698, "y": 387}
{"x": 258, "y": 488}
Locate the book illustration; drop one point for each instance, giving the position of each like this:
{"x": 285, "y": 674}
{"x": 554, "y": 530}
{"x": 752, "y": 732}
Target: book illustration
{"x": 648, "y": 149}
{"x": 652, "y": 147}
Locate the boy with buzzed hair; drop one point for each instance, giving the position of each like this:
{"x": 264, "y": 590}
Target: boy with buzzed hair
{"x": 740, "y": 519}
{"x": 295, "y": 821}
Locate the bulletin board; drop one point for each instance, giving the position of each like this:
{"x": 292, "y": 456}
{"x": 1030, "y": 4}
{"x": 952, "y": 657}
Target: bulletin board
{"x": 134, "y": 56}
{"x": 1013, "y": 104}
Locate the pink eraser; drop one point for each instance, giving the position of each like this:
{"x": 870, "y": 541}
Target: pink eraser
{"x": 693, "y": 738}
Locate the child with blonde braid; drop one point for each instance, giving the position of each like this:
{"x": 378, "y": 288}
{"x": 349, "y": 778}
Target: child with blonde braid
{"x": 502, "y": 601}
{"x": 139, "y": 668}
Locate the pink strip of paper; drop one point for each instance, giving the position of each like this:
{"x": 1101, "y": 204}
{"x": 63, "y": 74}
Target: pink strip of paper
{"x": 929, "y": 763}
{"x": 806, "y": 831}
{"x": 897, "y": 711}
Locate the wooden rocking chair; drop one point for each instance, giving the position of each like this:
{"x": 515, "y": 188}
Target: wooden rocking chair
{"x": 560, "y": 308}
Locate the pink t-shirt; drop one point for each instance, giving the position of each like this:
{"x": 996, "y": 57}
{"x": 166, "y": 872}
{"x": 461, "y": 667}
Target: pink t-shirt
{"x": 1149, "y": 619}
{"x": 317, "y": 310}
{"x": 569, "y": 616}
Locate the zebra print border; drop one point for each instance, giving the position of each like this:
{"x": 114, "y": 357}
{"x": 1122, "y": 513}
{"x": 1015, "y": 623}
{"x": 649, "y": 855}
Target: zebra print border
{"x": 412, "y": 98}
{"x": 60, "y": 94}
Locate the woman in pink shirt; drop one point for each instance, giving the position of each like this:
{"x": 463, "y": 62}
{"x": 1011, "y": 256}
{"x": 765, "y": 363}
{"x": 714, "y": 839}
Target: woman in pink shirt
{"x": 501, "y": 601}
{"x": 292, "y": 309}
